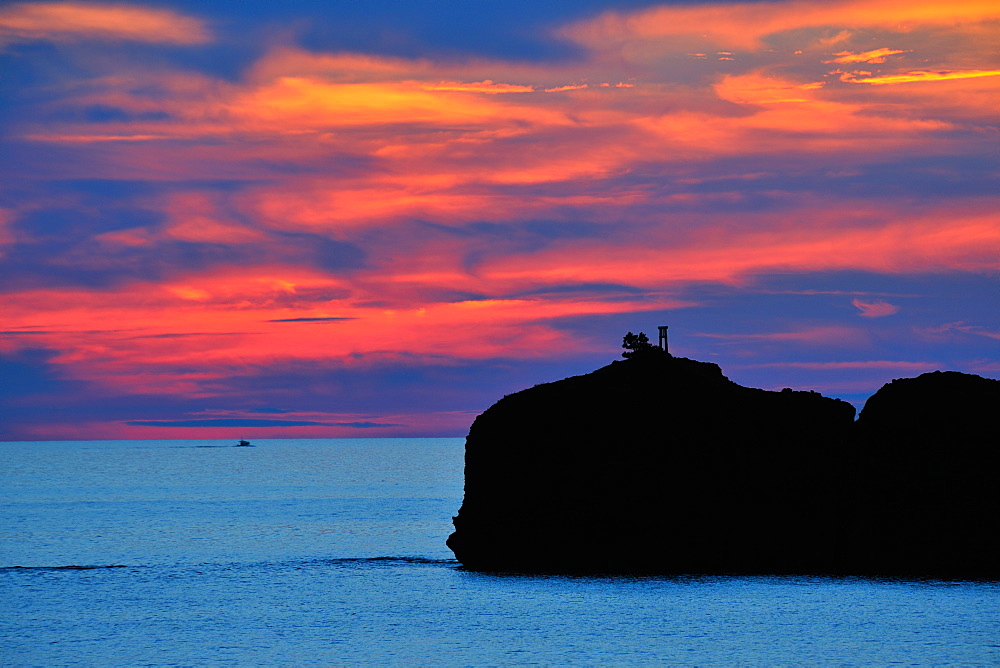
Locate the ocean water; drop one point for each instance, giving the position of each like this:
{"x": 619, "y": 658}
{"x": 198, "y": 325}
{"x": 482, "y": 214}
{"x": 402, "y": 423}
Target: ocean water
{"x": 332, "y": 552}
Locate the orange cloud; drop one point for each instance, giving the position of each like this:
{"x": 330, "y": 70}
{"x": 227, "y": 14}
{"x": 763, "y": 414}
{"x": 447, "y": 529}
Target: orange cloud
{"x": 487, "y": 86}
{"x": 315, "y": 104}
{"x": 433, "y": 149}
{"x": 640, "y": 34}
{"x": 968, "y": 103}
{"x": 279, "y": 109}
{"x": 78, "y": 20}
{"x": 783, "y": 116}
{"x": 876, "y": 56}
{"x": 284, "y": 61}
{"x": 917, "y": 76}
{"x": 562, "y": 89}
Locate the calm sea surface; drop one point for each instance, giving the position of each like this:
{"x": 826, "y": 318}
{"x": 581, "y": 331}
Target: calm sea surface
{"x": 332, "y": 552}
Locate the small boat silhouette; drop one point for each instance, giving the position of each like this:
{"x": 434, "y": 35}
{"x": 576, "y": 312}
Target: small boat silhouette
{"x": 243, "y": 444}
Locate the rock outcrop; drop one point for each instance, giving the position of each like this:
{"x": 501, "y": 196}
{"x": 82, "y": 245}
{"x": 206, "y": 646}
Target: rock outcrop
{"x": 659, "y": 464}
{"x": 927, "y": 453}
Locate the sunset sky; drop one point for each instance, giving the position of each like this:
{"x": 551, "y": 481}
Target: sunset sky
{"x": 225, "y": 218}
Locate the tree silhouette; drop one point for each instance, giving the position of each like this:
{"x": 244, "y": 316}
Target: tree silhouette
{"x": 635, "y": 344}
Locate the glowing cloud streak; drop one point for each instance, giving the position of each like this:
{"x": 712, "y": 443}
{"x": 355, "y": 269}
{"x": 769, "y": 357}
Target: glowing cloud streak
{"x": 98, "y": 21}
{"x": 917, "y": 76}
{"x": 876, "y": 56}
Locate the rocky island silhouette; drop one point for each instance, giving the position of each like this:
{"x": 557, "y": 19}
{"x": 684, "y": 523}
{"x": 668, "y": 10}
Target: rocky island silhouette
{"x": 661, "y": 464}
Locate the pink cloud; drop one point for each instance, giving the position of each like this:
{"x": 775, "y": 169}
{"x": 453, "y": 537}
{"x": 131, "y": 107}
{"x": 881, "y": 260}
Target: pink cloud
{"x": 823, "y": 335}
{"x": 868, "y": 364}
{"x": 771, "y": 244}
{"x": 78, "y": 21}
{"x": 963, "y": 328}
{"x": 875, "y": 309}
{"x": 251, "y": 317}
{"x": 7, "y": 216}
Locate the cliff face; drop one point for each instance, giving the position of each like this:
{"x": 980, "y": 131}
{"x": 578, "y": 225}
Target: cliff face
{"x": 661, "y": 464}
{"x": 929, "y": 455}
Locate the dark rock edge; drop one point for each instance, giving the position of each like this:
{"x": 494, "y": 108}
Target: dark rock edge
{"x": 662, "y": 465}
